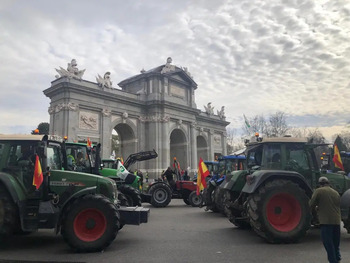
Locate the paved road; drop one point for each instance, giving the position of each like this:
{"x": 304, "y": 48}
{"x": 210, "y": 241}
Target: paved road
{"x": 177, "y": 233}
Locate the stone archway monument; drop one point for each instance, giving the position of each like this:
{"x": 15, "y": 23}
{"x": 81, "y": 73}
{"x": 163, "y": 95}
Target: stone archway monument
{"x": 152, "y": 110}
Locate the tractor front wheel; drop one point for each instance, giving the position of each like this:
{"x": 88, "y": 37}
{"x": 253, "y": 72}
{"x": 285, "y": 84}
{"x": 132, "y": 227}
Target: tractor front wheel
{"x": 7, "y": 213}
{"x": 279, "y": 212}
{"x": 160, "y": 194}
{"x": 91, "y": 223}
{"x": 132, "y": 194}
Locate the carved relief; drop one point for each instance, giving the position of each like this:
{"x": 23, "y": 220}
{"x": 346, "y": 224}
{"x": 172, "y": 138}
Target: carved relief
{"x": 217, "y": 139}
{"x": 177, "y": 91}
{"x": 88, "y": 120}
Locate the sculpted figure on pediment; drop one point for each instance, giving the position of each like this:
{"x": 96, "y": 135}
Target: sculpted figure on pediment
{"x": 168, "y": 67}
{"x": 72, "y": 71}
{"x": 105, "y": 81}
{"x": 221, "y": 113}
{"x": 209, "y": 109}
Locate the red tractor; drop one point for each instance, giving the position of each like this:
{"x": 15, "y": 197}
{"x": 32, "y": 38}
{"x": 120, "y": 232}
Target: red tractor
{"x": 161, "y": 192}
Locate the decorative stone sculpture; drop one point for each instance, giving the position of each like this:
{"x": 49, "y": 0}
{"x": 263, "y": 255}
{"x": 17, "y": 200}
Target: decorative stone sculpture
{"x": 105, "y": 81}
{"x": 71, "y": 72}
{"x": 221, "y": 113}
{"x": 168, "y": 67}
{"x": 209, "y": 109}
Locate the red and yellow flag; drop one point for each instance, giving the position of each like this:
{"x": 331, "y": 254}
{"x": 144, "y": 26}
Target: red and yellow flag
{"x": 336, "y": 158}
{"x": 89, "y": 144}
{"x": 38, "y": 173}
{"x": 202, "y": 173}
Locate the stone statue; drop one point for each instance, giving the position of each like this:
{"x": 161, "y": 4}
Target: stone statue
{"x": 168, "y": 67}
{"x": 105, "y": 81}
{"x": 71, "y": 72}
{"x": 209, "y": 109}
{"x": 221, "y": 113}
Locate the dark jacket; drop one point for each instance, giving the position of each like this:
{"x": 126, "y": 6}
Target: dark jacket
{"x": 327, "y": 203}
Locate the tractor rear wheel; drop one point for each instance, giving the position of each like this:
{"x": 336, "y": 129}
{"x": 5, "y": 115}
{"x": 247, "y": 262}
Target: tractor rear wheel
{"x": 279, "y": 212}
{"x": 195, "y": 200}
{"x": 131, "y": 192}
{"x": 160, "y": 194}
{"x": 7, "y": 213}
{"x": 90, "y": 224}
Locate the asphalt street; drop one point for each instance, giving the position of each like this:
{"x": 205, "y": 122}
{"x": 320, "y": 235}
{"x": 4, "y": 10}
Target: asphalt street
{"x": 177, "y": 233}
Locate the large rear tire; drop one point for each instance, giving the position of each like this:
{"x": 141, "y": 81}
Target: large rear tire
{"x": 160, "y": 194}
{"x": 279, "y": 212}
{"x": 90, "y": 224}
{"x": 131, "y": 192}
{"x": 7, "y": 213}
{"x": 195, "y": 200}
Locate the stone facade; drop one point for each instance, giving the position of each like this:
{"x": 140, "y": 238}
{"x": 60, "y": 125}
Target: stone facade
{"x": 153, "y": 110}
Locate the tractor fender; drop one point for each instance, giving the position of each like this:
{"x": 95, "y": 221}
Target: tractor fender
{"x": 70, "y": 197}
{"x": 13, "y": 187}
{"x": 257, "y": 178}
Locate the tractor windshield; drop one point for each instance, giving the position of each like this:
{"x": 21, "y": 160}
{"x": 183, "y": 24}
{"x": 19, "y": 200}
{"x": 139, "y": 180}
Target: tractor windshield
{"x": 54, "y": 158}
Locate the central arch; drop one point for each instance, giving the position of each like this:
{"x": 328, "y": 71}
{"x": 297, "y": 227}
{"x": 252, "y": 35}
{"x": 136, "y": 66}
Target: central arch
{"x": 127, "y": 140}
{"x": 178, "y": 147}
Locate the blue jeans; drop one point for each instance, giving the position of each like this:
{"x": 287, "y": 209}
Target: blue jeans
{"x": 330, "y": 235}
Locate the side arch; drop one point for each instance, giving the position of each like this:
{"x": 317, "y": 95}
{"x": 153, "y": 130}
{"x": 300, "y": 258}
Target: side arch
{"x": 127, "y": 137}
{"x": 179, "y": 147}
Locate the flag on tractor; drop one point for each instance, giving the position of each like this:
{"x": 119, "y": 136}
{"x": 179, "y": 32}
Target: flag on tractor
{"x": 246, "y": 121}
{"x": 38, "y": 173}
{"x": 89, "y": 144}
{"x": 202, "y": 173}
{"x": 336, "y": 157}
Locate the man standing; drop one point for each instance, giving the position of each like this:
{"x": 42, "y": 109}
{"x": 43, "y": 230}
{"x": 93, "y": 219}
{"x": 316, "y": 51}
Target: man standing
{"x": 326, "y": 201}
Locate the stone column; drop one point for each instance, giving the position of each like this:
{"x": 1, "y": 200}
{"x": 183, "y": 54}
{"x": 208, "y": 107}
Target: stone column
{"x": 106, "y": 133}
{"x": 211, "y": 145}
{"x": 194, "y": 163}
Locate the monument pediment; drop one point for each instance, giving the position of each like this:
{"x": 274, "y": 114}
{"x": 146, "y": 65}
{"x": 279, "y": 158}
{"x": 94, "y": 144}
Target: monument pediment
{"x": 168, "y": 70}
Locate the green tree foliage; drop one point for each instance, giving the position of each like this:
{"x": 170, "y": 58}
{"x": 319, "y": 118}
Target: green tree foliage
{"x": 43, "y": 128}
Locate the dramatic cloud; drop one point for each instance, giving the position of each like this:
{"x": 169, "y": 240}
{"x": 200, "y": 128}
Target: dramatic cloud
{"x": 291, "y": 56}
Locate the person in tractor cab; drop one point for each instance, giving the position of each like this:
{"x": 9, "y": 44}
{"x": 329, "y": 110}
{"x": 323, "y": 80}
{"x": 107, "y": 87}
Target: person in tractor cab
{"x": 326, "y": 201}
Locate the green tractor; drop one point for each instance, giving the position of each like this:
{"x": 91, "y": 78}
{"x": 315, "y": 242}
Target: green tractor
{"x": 272, "y": 195}
{"x": 38, "y": 192}
{"x": 82, "y": 158}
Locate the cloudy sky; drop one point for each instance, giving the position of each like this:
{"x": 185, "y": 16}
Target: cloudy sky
{"x": 252, "y": 56}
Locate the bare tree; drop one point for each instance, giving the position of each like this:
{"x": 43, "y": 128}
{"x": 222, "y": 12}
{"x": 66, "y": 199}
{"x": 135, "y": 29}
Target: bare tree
{"x": 278, "y": 125}
{"x": 255, "y": 124}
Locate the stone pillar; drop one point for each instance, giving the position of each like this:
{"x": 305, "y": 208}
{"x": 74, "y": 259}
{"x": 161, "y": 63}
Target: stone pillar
{"x": 194, "y": 163}
{"x": 211, "y": 145}
{"x": 106, "y": 133}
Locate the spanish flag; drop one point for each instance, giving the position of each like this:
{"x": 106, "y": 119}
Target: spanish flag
{"x": 89, "y": 144}
{"x": 336, "y": 158}
{"x": 38, "y": 173}
{"x": 202, "y": 173}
